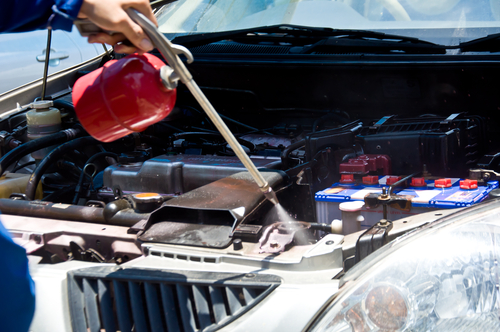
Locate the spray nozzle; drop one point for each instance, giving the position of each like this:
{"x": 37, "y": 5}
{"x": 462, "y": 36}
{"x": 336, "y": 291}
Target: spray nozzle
{"x": 270, "y": 195}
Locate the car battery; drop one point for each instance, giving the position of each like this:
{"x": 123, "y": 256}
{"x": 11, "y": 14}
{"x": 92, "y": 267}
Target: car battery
{"x": 427, "y": 195}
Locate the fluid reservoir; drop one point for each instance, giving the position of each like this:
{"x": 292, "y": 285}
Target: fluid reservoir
{"x": 43, "y": 120}
{"x": 351, "y": 216}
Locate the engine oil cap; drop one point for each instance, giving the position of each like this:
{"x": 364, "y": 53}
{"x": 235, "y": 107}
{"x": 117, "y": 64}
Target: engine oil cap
{"x": 147, "y": 202}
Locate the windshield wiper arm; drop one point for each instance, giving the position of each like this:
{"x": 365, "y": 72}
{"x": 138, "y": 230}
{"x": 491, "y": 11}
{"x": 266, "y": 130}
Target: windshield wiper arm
{"x": 384, "y": 46}
{"x": 490, "y": 43}
{"x": 317, "y": 38}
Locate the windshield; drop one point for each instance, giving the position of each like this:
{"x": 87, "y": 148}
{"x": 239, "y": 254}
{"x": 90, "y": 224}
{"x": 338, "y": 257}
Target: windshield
{"x": 446, "y": 22}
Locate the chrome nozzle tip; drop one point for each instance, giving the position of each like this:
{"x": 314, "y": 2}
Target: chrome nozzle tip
{"x": 271, "y": 196}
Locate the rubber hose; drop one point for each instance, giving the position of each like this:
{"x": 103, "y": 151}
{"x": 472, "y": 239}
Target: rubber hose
{"x": 82, "y": 174}
{"x": 34, "y": 145}
{"x": 154, "y": 141}
{"x": 289, "y": 149}
{"x": 51, "y": 158}
{"x": 101, "y": 154}
{"x": 322, "y": 227}
{"x": 59, "y": 103}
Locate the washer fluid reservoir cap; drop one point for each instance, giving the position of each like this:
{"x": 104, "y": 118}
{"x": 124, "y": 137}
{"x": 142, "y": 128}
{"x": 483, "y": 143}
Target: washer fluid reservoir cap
{"x": 42, "y": 104}
{"x": 351, "y": 206}
{"x": 122, "y": 97}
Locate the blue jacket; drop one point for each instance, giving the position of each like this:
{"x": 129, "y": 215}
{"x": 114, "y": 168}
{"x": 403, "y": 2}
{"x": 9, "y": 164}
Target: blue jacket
{"x": 25, "y": 15}
{"x": 17, "y": 293}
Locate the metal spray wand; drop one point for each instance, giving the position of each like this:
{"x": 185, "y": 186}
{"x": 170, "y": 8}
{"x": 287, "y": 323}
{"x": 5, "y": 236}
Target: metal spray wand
{"x": 177, "y": 72}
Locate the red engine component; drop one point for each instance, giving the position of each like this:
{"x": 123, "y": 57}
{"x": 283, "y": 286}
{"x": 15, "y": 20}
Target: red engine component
{"x": 347, "y": 179}
{"x": 442, "y": 183}
{"x": 468, "y": 184}
{"x": 418, "y": 182}
{"x": 367, "y": 163}
{"x": 390, "y": 180}
{"x": 122, "y": 97}
{"x": 370, "y": 179}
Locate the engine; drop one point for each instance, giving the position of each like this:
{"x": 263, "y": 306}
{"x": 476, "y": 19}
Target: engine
{"x": 179, "y": 182}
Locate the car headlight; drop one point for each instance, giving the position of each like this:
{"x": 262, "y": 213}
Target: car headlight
{"x": 444, "y": 277}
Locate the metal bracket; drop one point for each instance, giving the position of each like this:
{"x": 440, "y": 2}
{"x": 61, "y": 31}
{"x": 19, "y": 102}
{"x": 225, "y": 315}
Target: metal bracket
{"x": 376, "y": 126}
{"x": 280, "y": 234}
{"x": 484, "y": 175}
{"x": 374, "y": 238}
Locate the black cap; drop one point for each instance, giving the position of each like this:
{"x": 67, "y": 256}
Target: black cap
{"x": 237, "y": 244}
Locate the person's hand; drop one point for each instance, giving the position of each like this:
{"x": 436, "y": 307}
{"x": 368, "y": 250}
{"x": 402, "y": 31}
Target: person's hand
{"x": 111, "y": 15}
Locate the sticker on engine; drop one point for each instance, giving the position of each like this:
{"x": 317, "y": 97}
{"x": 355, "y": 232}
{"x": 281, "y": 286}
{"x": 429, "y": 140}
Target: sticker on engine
{"x": 61, "y": 206}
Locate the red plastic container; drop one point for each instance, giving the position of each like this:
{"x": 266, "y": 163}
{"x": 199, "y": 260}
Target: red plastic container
{"x": 122, "y": 97}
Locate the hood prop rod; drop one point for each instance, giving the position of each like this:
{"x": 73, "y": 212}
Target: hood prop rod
{"x": 179, "y": 72}
{"x": 47, "y": 59}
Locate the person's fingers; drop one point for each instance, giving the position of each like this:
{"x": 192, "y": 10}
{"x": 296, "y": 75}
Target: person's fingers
{"x": 107, "y": 39}
{"x": 122, "y": 48}
{"x": 111, "y": 15}
{"x": 135, "y": 34}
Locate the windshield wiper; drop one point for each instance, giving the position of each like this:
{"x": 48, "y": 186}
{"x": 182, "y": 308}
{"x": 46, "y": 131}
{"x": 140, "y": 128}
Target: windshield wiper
{"x": 490, "y": 43}
{"x": 315, "y": 40}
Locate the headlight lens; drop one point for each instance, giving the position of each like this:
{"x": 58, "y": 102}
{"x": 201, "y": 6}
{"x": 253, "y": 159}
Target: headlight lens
{"x": 444, "y": 277}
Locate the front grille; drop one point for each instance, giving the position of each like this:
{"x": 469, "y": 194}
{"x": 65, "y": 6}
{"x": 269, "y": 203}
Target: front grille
{"x": 114, "y": 299}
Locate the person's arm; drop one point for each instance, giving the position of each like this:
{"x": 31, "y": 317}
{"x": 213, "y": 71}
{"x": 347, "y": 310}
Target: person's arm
{"x": 17, "y": 299}
{"x": 25, "y": 15}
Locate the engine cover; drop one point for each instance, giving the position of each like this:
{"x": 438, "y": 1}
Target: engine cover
{"x": 177, "y": 174}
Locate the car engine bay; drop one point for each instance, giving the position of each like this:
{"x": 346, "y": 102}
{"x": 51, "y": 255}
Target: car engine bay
{"x": 300, "y": 127}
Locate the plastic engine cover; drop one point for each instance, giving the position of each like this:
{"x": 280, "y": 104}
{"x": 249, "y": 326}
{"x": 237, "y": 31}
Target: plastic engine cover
{"x": 177, "y": 174}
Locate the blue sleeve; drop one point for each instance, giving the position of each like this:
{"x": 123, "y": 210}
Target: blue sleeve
{"x": 17, "y": 299}
{"x": 26, "y": 15}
